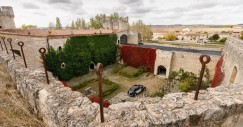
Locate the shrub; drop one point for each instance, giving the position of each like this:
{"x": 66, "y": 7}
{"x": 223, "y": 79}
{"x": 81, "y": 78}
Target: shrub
{"x": 241, "y": 36}
{"x": 223, "y": 40}
{"x": 170, "y": 37}
{"x": 185, "y": 85}
{"x": 85, "y": 83}
{"x": 77, "y": 54}
{"x": 159, "y": 93}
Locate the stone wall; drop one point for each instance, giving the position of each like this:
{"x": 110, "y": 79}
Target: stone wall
{"x": 59, "y": 106}
{"x": 163, "y": 58}
{"x": 233, "y": 58}
{"x": 173, "y": 61}
{"x": 190, "y": 62}
{"x": 7, "y": 17}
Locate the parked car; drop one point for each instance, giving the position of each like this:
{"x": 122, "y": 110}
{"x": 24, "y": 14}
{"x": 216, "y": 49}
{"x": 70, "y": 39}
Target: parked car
{"x": 136, "y": 89}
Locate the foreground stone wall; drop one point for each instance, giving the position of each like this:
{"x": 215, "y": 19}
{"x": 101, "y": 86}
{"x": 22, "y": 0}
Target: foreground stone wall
{"x": 233, "y": 58}
{"x": 59, "y": 106}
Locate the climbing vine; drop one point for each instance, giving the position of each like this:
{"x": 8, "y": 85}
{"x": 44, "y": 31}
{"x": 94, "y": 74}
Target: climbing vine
{"x": 219, "y": 74}
{"x": 75, "y": 57}
{"x": 138, "y": 57}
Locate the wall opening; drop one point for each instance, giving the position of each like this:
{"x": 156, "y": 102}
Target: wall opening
{"x": 233, "y": 75}
{"x": 0, "y": 27}
{"x": 92, "y": 66}
{"x": 123, "y": 39}
{"x": 161, "y": 70}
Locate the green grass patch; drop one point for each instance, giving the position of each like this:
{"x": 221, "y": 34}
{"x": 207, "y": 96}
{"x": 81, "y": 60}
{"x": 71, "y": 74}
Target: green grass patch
{"x": 108, "y": 86}
{"x": 127, "y": 71}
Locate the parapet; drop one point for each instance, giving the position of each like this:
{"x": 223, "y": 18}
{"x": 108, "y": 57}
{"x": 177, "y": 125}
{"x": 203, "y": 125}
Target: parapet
{"x": 6, "y": 11}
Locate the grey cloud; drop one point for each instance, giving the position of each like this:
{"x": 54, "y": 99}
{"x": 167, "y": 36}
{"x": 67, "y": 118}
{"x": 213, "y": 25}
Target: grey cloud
{"x": 30, "y": 6}
{"x": 39, "y": 13}
{"x": 130, "y": 2}
{"x": 59, "y": 1}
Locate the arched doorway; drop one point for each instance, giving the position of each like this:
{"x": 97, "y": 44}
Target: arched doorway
{"x": 233, "y": 75}
{"x": 92, "y": 66}
{"x": 161, "y": 70}
{"x": 123, "y": 39}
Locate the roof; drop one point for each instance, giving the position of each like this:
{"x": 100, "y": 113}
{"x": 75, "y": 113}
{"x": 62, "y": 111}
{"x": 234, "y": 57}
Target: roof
{"x": 57, "y": 33}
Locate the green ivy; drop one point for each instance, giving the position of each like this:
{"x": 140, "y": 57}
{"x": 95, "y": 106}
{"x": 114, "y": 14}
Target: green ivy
{"x": 77, "y": 54}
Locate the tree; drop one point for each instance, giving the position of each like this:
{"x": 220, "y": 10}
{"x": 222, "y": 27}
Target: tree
{"x": 143, "y": 29}
{"x": 84, "y": 25}
{"x": 96, "y": 22}
{"x": 58, "y": 23}
{"x": 170, "y": 36}
{"x": 215, "y": 37}
{"x": 51, "y": 25}
{"x": 73, "y": 25}
{"x": 78, "y": 23}
{"x": 28, "y": 26}
{"x": 241, "y": 37}
{"x": 223, "y": 40}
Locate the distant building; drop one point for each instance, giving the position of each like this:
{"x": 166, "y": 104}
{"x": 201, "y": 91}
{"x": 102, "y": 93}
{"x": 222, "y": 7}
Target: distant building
{"x": 116, "y": 24}
{"x": 7, "y": 18}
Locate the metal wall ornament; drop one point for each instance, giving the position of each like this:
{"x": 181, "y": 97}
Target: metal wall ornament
{"x": 3, "y": 38}
{"x": 1, "y": 45}
{"x": 10, "y": 42}
{"x": 63, "y": 65}
{"x": 21, "y": 44}
{"x": 43, "y": 51}
{"x": 203, "y": 62}
{"x": 99, "y": 70}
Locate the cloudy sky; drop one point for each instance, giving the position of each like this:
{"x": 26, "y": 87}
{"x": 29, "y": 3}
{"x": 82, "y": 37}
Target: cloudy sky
{"x": 155, "y": 12}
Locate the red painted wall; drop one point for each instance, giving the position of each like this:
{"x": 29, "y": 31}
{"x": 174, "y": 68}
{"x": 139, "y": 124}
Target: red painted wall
{"x": 219, "y": 74}
{"x": 138, "y": 57}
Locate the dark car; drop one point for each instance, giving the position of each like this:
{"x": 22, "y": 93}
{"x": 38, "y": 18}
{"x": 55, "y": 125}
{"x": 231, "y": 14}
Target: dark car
{"x": 136, "y": 89}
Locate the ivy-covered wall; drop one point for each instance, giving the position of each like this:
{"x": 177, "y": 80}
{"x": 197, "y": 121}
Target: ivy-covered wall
{"x": 138, "y": 57}
{"x": 75, "y": 57}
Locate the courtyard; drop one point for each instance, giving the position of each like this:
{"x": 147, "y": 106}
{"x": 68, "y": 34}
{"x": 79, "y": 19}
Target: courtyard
{"x": 127, "y": 77}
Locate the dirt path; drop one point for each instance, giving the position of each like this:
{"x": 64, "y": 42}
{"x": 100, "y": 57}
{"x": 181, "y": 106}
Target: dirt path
{"x": 14, "y": 111}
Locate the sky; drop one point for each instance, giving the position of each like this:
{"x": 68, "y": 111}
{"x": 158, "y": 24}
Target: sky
{"x": 154, "y": 12}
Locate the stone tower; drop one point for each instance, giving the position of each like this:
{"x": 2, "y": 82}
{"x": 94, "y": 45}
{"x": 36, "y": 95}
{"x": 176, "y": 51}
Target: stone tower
{"x": 7, "y": 18}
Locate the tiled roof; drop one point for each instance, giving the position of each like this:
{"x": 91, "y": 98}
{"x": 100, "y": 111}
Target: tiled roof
{"x": 56, "y": 33}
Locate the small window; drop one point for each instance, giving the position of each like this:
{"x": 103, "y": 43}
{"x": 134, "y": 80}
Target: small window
{"x": 0, "y": 27}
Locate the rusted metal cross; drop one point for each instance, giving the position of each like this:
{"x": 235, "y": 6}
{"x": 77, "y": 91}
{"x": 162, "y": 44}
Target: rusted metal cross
{"x": 99, "y": 70}
{"x": 203, "y": 62}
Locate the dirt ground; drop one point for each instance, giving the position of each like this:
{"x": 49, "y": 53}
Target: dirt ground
{"x": 14, "y": 111}
{"x": 147, "y": 79}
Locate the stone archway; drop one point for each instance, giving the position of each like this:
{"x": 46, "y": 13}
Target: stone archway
{"x": 233, "y": 75}
{"x": 123, "y": 39}
{"x": 161, "y": 70}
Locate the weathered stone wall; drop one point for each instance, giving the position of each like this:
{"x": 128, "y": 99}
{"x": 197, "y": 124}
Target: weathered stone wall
{"x": 59, "y": 106}
{"x": 233, "y": 58}
{"x": 190, "y": 62}
{"x": 173, "y": 61}
{"x": 163, "y": 58}
{"x": 7, "y": 17}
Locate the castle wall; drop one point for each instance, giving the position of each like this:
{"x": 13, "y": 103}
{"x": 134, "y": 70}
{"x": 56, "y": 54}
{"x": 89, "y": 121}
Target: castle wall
{"x": 163, "y": 58}
{"x": 190, "y": 62}
{"x": 233, "y": 57}
{"x": 59, "y": 106}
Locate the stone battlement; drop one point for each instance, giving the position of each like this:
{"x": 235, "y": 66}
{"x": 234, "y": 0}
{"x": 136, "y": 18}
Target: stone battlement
{"x": 59, "y": 106}
{"x": 6, "y": 11}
